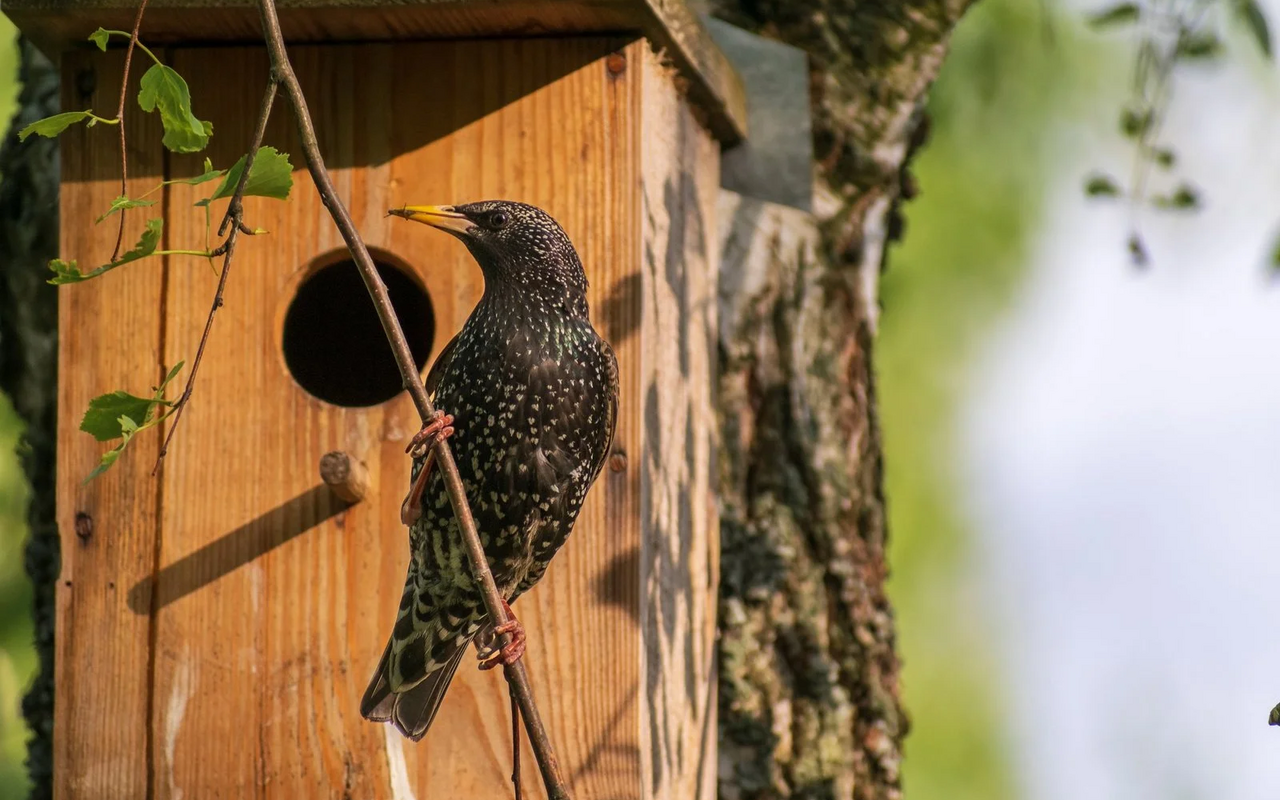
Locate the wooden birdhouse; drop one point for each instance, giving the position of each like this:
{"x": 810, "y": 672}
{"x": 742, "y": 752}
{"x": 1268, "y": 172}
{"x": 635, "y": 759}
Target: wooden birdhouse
{"x": 218, "y": 621}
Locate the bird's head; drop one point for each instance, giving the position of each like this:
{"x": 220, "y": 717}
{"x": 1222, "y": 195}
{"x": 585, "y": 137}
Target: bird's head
{"x": 515, "y": 244}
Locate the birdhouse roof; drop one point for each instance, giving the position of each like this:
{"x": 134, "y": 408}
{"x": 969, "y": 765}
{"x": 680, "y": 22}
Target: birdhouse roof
{"x": 713, "y": 85}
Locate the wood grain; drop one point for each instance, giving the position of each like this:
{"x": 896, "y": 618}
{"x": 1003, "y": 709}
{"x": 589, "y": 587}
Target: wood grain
{"x": 568, "y": 147}
{"x": 680, "y": 548}
{"x": 110, "y": 333}
{"x": 281, "y": 647}
{"x": 269, "y": 600}
{"x": 713, "y": 85}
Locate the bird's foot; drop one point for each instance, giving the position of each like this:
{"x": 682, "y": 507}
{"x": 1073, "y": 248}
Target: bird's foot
{"x": 423, "y": 445}
{"x": 490, "y": 655}
{"x": 440, "y": 426}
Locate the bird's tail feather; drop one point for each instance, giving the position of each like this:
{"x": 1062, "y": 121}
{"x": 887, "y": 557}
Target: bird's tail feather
{"x": 411, "y": 711}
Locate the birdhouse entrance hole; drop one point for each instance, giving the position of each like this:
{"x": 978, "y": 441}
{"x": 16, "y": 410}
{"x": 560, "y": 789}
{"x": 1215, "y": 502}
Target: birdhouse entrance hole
{"x": 333, "y": 341}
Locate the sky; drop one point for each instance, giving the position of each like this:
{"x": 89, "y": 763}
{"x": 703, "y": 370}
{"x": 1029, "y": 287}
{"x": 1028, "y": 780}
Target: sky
{"x": 1120, "y": 458}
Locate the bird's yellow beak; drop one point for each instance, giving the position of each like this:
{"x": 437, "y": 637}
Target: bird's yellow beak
{"x": 442, "y": 217}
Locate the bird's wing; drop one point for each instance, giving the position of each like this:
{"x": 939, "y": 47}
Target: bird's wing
{"x": 441, "y": 364}
{"x": 539, "y": 463}
{"x": 548, "y": 542}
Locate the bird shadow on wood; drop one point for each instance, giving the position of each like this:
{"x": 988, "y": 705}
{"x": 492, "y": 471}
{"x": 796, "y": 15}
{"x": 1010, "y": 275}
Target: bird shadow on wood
{"x": 233, "y": 550}
{"x": 621, "y": 309}
{"x": 617, "y": 584}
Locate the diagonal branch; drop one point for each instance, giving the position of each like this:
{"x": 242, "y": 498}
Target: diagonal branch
{"x": 517, "y": 677}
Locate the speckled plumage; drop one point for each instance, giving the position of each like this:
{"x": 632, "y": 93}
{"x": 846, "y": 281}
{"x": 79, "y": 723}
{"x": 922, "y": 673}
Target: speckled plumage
{"x": 533, "y": 390}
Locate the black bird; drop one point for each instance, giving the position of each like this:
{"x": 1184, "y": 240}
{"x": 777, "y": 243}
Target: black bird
{"x": 533, "y": 394}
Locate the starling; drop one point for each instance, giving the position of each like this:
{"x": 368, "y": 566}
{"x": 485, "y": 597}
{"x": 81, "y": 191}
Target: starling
{"x": 532, "y": 391}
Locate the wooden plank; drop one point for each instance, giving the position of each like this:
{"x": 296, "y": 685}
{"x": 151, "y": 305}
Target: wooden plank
{"x": 713, "y": 85}
{"x": 569, "y": 147}
{"x": 680, "y": 555}
{"x": 254, "y": 648}
{"x": 277, "y": 604}
{"x": 110, "y": 338}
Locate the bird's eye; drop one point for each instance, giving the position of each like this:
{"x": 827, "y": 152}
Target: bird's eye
{"x": 498, "y": 219}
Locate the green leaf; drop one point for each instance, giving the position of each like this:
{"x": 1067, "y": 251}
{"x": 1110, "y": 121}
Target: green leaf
{"x": 1165, "y": 157}
{"x": 1198, "y": 45}
{"x": 127, "y": 429}
{"x": 204, "y": 177}
{"x": 271, "y": 176}
{"x": 121, "y": 203}
{"x": 104, "y": 418}
{"x": 163, "y": 88}
{"x": 68, "y": 272}
{"x": 1116, "y": 15}
{"x": 158, "y": 397}
{"x": 173, "y": 373}
{"x": 1101, "y": 186}
{"x": 146, "y": 245}
{"x": 1134, "y": 122}
{"x": 52, "y": 126}
{"x": 1274, "y": 717}
{"x": 100, "y": 37}
{"x": 1251, "y": 15}
{"x": 120, "y": 415}
{"x": 108, "y": 458}
{"x": 65, "y": 272}
{"x": 1184, "y": 197}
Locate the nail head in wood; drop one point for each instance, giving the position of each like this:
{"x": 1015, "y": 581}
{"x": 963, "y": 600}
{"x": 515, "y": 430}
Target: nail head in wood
{"x": 348, "y": 478}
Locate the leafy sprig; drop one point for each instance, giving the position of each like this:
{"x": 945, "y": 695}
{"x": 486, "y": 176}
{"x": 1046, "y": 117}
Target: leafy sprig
{"x": 161, "y": 88}
{"x": 120, "y": 415}
{"x": 1168, "y": 36}
{"x": 270, "y": 176}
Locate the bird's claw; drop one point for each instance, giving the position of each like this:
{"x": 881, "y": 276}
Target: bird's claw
{"x": 491, "y": 656}
{"x": 440, "y": 427}
{"x": 423, "y": 446}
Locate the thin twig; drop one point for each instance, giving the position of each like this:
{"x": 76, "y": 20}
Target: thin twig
{"x": 516, "y": 675}
{"x": 515, "y": 744}
{"x": 235, "y": 210}
{"x": 124, "y": 155}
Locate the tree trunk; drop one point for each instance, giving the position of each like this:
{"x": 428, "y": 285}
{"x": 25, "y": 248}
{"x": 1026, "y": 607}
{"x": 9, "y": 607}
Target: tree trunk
{"x": 29, "y": 364}
{"x": 809, "y": 701}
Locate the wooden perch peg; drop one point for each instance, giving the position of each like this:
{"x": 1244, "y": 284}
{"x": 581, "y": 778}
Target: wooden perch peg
{"x": 345, "y": 476}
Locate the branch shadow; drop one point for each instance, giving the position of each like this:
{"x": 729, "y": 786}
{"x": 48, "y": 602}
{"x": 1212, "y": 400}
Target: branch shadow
{"x": 233, "y": 550}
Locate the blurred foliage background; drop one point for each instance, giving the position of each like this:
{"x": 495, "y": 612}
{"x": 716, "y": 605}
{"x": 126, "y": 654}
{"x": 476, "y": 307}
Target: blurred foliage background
{"x": 17, "y": 653}
{"x": 982, "y": 179}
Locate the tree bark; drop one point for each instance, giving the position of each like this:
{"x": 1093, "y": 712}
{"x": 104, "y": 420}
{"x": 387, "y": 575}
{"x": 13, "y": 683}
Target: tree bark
{"x": 809, "y": 700}
{"x": 29, "y": 365}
